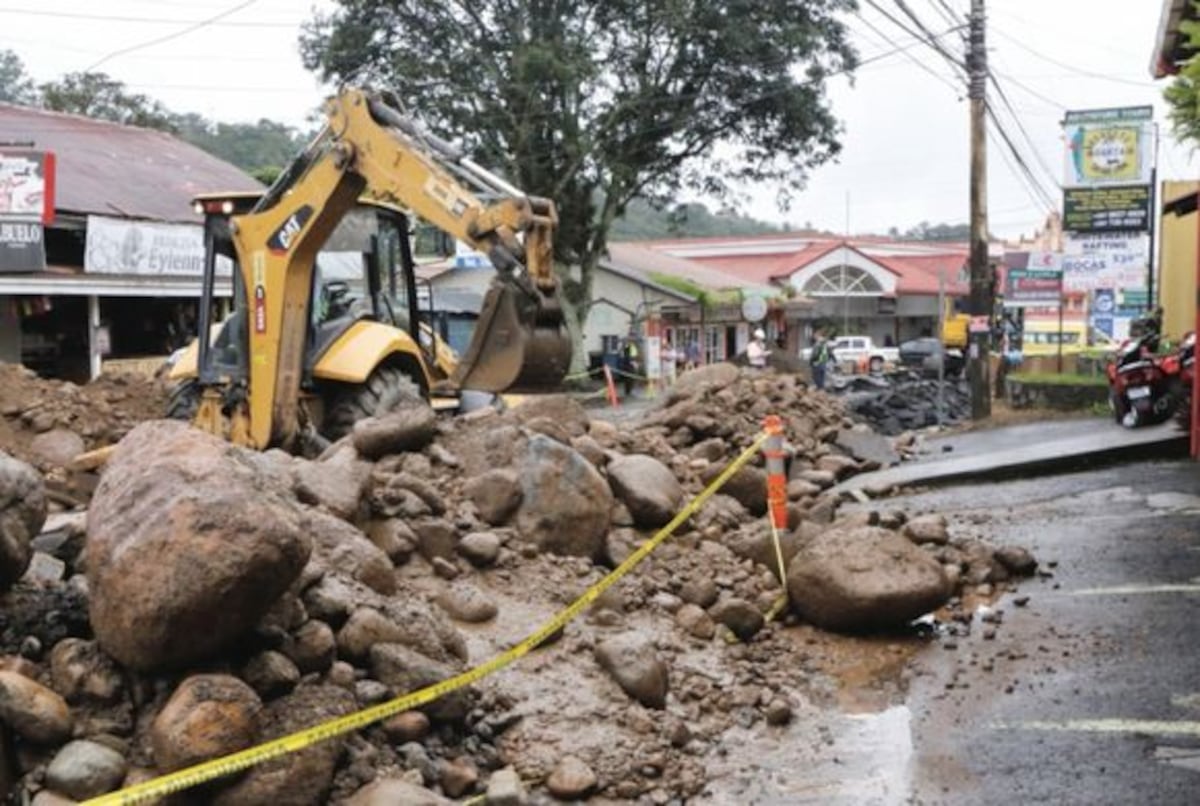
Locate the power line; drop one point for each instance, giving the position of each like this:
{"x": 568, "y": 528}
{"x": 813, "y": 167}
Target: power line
{"x": 1024, "y": 169}
{"x": 1043, "y": 98}
{"x": 957, "y": 89}
{"x": 933, "y": 43}
{"x": 1021, "y": 127}
{"x": 147, "y": 20}
{"x": 183, "y": 32}
{"x": 1070, "y": 67}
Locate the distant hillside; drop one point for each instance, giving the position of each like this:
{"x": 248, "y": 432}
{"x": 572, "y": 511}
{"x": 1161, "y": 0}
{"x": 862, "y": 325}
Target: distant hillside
{"x": 642, "y": 222}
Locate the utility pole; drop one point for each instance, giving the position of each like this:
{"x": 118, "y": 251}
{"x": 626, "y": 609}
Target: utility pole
{"x": 982, "y": 287}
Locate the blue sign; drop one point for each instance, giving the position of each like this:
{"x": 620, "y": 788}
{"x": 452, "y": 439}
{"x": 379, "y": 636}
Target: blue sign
{"x": 1104, "y": 307}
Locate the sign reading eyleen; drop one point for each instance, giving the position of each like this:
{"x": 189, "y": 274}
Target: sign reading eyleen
{"x": 1107, "y": 209}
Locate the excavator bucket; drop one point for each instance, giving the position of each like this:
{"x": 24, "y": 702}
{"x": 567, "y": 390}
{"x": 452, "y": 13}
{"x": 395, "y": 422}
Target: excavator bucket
{"x": 520, "y": 343}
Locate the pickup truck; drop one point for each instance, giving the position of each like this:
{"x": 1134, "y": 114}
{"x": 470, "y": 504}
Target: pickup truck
{"x": 855, "y": 350}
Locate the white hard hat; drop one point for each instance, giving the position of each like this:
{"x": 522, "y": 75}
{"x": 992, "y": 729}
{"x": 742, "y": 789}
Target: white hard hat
{"x": 758, "y": 334}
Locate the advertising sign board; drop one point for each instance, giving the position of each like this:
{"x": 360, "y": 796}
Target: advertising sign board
{"x": 1106, "y": 209}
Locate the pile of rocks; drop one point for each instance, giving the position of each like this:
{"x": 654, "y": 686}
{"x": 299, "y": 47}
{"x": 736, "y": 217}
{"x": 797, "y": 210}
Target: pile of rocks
{"x": 898, "y": 403}
{"x": 216, "y": 598}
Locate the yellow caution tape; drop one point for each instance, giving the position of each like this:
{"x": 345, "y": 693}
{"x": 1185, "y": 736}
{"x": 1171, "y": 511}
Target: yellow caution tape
{"x": 244, "y": 759}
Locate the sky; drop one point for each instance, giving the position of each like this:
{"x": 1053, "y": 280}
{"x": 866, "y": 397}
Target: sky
{"x": 905, "y": 117}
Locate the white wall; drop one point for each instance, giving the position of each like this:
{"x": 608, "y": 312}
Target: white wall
{"x": 615, "y": 299}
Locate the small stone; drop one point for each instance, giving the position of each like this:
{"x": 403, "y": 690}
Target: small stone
{"x": 35, "y": 712}
{"x": 444, "y": 568}
{"x": 271, "y": 673}
{"x": 636, "y": 667}
{"x": 458, "y": 777}
{"x": 409, "y": 726}
{"x": 695, "y": 622}
{"x": 928, "y": 529}
{"x": 779, "y": 712}
{"x": 480, "y": 548}
{"x": 465, "y": 602}
{"x": 505, "y": 788}
{"x": 80, "y": 670}
{"x": 313, "y": 647}
{"x": 571, "y": 779}
{"x": 702, "y": 592}
{"x": 84, "y": 769}
{"x": 370, "y": 692}
{"x": 395, "y": 792}
{"x": 1021, "y": 601}
{"x": 1018, "y": 561}
{"x": 740, "y": 616}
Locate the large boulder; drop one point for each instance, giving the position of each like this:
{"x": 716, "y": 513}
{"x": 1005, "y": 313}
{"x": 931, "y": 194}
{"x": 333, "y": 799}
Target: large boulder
{"x": 22, "y": 513}
{"x": 190, "y": 543}
{"x": 864, "y": 578}
{"x": 566, "y": 502}
{"x": 748, "y": 486}
{"x": 406, "y": 670}
{"x": 302, "y": 778}
{"x": 341, "y": 549}
{"x": 209, "y": 715}
{"x": 647, "y": 487}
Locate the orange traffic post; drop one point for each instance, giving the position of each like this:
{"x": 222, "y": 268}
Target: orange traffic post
{"x": 776, "y": 473}
{"x": 776, "y": 498}
{"x": 612, "y": 387}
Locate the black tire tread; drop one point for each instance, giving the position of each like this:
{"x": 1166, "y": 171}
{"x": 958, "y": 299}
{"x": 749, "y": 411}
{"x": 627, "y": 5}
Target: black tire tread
{"x": 387, "y": 388}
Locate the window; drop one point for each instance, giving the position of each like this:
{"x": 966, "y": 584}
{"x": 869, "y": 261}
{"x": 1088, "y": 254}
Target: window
{"x": 610, "y": 344}
{"x": 842, "y": 281}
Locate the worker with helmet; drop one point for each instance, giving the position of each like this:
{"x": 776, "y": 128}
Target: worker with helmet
{"x": 756, "y": 350}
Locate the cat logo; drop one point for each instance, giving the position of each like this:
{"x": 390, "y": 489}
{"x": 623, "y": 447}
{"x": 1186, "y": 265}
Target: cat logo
{"x": 281, "y": 241}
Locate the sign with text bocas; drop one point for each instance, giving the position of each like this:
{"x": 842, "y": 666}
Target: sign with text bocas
{"x": 26, "y": 206}
{"x": 1114, "y": 270}
{"x": 1106, "y": 209}
{"x": 126, "y": 246}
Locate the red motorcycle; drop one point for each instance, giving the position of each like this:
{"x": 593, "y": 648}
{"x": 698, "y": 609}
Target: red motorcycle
{"x": 1186, "y": 357}
{"x": 1143, "y": 387}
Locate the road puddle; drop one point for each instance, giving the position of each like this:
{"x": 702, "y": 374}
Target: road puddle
{"x": 822, "y": 757}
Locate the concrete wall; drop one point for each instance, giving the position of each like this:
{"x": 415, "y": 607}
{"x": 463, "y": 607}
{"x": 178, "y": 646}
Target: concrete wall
{"x": 1177, "y": 262}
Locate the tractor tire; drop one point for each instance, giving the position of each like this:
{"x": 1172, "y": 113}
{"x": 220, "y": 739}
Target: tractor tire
{"x": 386, "y": 389}
{"x": 184, "y": 400}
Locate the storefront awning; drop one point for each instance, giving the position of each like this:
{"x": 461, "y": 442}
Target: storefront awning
{"x": 71, "y": 283}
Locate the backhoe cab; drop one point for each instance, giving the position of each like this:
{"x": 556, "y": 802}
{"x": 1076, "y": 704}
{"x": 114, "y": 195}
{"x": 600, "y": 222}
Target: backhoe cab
{"x": 303, "y": 352}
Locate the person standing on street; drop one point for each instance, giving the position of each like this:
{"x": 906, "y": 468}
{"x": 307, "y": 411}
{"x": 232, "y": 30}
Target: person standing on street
{"x": 756, "y": 350}
{"x": 693, "y": 353}
{"x": 820, "y": 358}
{"x": 669, "y": 357}
{"x": 630, "y": 363}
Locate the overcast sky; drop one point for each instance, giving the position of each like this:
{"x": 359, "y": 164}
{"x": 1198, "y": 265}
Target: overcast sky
{"x": 905, "y": 157}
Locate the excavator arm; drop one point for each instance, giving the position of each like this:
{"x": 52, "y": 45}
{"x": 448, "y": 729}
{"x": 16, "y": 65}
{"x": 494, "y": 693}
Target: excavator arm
{"x": 368, "y": 149}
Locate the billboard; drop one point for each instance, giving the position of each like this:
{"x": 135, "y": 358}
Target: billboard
{"x": 1108, "y": 146}
{"x": 1106, "y": 209}
{"x": 26, "y": 206}
{"x": 127, "y": 246}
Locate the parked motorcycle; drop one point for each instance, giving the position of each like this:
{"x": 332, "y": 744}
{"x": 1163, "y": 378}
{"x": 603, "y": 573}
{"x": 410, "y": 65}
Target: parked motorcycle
{"x": 1143, "y": 386}
{"x": 1186, "y": 356}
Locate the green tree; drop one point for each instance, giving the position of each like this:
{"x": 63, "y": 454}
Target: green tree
{"x": 594, "y": 103}
{"x": 1183, "y": 94}
{"x": 258, "y": 148}
{"x": 16, "y": 87}
{"x": 642, "y": 220}
{"x": 96, "y": 95}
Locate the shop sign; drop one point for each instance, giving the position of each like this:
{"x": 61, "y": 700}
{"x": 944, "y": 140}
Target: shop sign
{"x": 125, "y": 246}
{"x": 1106, "y": 209}
{"x": 22, "y": 246}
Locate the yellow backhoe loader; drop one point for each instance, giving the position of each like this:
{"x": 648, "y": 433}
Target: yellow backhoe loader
{"x": 299, "y": 357}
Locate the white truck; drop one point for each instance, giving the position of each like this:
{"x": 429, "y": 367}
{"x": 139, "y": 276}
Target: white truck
{"x": 859, "y": 351}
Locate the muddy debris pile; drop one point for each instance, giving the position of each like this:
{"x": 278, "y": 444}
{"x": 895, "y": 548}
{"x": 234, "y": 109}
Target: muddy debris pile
{"x": 904, "y": 402}
{"x": 213, "y": 598}
{"x": 47, "y": 423}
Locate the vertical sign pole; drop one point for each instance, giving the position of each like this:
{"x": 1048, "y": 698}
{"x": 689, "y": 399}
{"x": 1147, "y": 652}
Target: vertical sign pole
{"x": 981, "y": 286}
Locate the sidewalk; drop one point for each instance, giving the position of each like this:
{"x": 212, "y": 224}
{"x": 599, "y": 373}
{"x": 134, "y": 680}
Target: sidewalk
{"x": 1026, "y": 450}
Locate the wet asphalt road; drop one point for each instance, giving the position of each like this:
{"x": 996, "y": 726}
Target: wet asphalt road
{"x": 1090, "y": 692}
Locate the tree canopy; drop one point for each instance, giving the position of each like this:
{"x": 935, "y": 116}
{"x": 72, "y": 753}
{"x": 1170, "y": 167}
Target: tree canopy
{"x": 1183, "y": 94}
{"x": 16, "y": 87}
{"x": 96, "y": 95}
{"x": 594, "y": 103}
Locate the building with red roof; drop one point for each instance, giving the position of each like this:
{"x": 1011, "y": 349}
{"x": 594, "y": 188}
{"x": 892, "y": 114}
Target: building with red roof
{"x": 863, "y": 285}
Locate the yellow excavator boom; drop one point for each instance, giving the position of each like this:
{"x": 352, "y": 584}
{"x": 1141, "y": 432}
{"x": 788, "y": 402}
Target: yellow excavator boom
{"x": 369, "y": 150}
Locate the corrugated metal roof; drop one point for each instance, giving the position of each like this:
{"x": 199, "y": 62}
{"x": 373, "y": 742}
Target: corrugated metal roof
{"x": 116, "y": 170}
